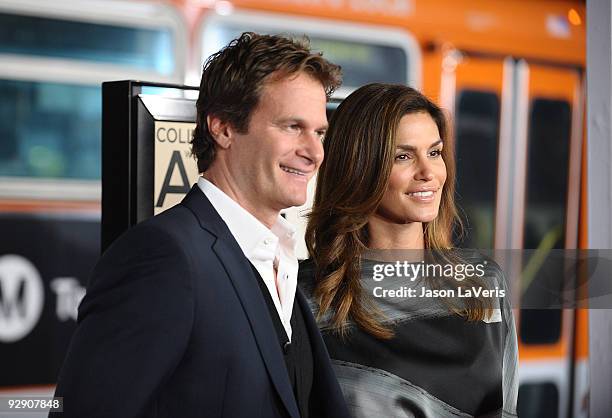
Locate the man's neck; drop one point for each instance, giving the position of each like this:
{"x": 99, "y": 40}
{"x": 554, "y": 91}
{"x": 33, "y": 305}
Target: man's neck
{"x": 222, "y": 182}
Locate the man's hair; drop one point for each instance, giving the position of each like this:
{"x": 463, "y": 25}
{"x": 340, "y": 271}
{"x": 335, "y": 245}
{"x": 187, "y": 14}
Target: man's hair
{"x": 233, "y": 78}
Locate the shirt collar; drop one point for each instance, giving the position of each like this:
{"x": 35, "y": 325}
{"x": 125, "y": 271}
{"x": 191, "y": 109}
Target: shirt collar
{"x": 249, "y": 232}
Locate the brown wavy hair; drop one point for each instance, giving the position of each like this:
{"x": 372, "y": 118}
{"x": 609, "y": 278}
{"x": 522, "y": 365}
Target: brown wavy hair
{"x": 360, "y": 146}
{"x": 233, "y": 78}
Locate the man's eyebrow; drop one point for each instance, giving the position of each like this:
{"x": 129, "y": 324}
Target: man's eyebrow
{"x": 411, "y": 148}
{"x": 300, "y": 121}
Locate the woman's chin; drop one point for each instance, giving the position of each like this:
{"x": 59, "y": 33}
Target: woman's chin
{"x": 425, "y": 217}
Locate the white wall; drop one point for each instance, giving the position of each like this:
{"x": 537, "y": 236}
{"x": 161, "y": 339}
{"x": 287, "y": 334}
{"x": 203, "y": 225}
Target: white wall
{"x": 599, "y": 131}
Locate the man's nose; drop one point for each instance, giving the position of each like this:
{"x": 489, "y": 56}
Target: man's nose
{"x": 312, "y": 148}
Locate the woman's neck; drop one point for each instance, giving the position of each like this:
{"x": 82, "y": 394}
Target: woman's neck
{"x": 384, "y": 234}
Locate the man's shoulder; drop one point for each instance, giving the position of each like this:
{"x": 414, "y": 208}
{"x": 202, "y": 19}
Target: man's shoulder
{"x": 175, "y": 227}
{"x": 172, "y": 223}
{"x": 175, "y": 216}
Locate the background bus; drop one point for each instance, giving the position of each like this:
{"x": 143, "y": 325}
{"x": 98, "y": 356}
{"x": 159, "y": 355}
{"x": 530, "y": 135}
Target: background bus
{"x": 510, "y": 73}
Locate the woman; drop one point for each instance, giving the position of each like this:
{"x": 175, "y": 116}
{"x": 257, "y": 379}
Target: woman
{"x": 387, "y": 182}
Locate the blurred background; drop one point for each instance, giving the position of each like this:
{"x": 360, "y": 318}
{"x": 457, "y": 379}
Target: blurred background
{"x": 510, "y": 73}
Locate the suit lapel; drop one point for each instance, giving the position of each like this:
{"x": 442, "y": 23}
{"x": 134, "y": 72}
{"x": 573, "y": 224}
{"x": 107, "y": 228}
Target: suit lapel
{"x": 245, "y": 284}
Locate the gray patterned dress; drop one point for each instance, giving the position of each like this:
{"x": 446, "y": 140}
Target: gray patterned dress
{"x": 437, "y": 364}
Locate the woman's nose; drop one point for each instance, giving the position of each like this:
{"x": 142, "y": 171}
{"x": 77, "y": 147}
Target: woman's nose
{"x": 424, "y": 170}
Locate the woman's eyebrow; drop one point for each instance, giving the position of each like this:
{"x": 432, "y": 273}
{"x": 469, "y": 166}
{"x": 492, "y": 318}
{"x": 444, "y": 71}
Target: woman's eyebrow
{"x": 438, "y": 142}
{"x": 412, "y": 148}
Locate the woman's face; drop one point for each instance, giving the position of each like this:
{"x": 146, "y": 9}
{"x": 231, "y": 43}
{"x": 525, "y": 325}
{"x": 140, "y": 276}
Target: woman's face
{"x": 418, "y": 174}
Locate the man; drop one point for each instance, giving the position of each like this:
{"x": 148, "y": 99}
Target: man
{"x": 194, "y": 313}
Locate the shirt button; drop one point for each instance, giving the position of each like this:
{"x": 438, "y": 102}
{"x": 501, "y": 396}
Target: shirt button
{"x": 286, "y": 276}
{"x": 266, "y": 241}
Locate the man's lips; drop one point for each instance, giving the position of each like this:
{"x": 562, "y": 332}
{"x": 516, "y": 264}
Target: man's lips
{"x": 292, "y": 170}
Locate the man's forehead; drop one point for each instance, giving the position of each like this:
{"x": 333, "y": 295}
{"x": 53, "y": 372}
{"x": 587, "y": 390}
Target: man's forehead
{"x": 298, "y": 80}
{"x": 293, "y": 98}
{"x": 284, "y": 76}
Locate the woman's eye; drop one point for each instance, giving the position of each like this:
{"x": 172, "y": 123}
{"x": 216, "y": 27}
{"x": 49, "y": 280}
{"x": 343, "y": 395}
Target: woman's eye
{"x": 402, "y": 157}
{"x": 436, "y": 153}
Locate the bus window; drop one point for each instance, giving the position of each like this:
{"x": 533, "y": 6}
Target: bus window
{"x": 540, "y": 326}
{"x": 49, "y": 130}
{"x": 50, "y": 97}
{"x": 360, "y": 61}
{"x": 477, "y": 116}
{"x": 547, "y": 168}
{"x": 143, "y": 48}
{"x": 366, "y": 55}
{"x": 545, "y": 208}
{"x": 538, "y": 400}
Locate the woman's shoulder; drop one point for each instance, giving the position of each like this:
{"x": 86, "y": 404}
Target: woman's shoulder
{"x": 495, "y": 278}
{"x": 485, "y": 264}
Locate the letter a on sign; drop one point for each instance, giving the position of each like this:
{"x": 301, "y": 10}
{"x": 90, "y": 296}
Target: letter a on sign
{"x": 175, "y": 171}
{"x": 176, "y": 163}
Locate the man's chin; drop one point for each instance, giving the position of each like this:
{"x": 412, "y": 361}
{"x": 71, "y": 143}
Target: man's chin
{"x": 294, "y": 202}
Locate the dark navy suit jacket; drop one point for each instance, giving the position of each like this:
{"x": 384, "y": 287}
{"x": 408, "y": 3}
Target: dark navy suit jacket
{"x": 174, "y": 325}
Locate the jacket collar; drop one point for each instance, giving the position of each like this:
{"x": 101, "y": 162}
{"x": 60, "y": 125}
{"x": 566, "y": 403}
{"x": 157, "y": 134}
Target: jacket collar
{"x": 209, "y": 219}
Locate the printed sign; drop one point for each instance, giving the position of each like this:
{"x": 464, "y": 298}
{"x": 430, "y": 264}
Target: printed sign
{"x": 175, "y": 169}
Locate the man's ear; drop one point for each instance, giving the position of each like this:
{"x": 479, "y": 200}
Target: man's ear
{"x": 220, "y": 130}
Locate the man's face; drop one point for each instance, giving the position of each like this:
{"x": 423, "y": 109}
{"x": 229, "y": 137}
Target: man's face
{"x": 281, "y": 151}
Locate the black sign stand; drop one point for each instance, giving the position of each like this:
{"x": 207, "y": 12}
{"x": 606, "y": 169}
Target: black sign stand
{"x": 128, "y": 118}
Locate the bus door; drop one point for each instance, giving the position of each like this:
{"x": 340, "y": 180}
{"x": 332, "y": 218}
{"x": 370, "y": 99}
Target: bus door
{"x": 473, "y": 89}
{"x": 517, "y": 130}
{"x": 545, "y": 219}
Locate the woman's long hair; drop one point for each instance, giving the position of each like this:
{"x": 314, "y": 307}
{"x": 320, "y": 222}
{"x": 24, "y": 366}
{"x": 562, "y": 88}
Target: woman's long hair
{"x": 360, "y": 146}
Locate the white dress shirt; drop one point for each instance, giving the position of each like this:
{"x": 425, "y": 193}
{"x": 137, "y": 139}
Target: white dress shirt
{"x": 263, "y": 247}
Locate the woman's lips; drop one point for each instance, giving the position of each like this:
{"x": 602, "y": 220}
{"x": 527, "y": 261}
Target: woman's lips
{"x": 422, "y": 196}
